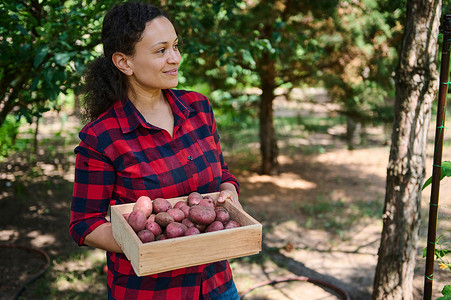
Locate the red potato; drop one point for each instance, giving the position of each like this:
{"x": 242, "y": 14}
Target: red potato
{"x": 187, "y": 223}
{"x": 185, "y": 210}
{"x": 146, "y": 236}
{"x": 160, "y": 237}
{"x": 194, "y": 198}
{"x": 175, "y": 229}
{"x": 154, "y": 227}
{"x": 208, "y": 197}
{"x": 215, "y": 226}
{"x": 160, "y": 205}
{"x": 144, "y": 203}
{"x": 207, "y": 201}
{"x": 232, "y": 224}
{"x": 222, "y": 215}
{"x": 201, "y": 227}
{"x": 202, "y": 214}
{"x": 151, "y": 217}
{"x": 163, "y": 219}
{"x": 176, "y": 214}
{"x": 180, "y": 204}
{"x": 126, "y": 216}
{"x": 137, "y": 220}
{"x": 192, "y": 231}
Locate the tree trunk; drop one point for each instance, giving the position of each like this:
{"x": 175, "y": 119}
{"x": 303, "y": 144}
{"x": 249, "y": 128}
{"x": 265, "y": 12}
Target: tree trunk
{"x": 268, "y": 139}
{"x": 353, "y": 132}
{"x": 9, "y": 96}
{"x": 77, "y": 105}
{"x": 36, "y": 134}
{"x": 416, "y": 87}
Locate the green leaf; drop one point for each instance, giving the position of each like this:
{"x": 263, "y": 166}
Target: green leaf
{"x": 79, "y": 66}
{"x": 230, "y": 70}
{"x": 34, "y": 83}
{"x": 439, "y": 253}
{"x": 446, "y": 168}
{"x": 427, "y": 182}
{"x": 247, "y": 57}
{"x": 48, "y": 75}
{"x": 22, "y": 29}
{"x": 39, "y": 57}
{"x": 276, "y": 36}
{"x": 63, "y": 58}
{"x": 446, "y": 290}
{"x": 51, "y": 93}
{"x": 445, "y": 171}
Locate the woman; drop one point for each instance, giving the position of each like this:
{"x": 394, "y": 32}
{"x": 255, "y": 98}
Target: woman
{"x": 145, "y": 138}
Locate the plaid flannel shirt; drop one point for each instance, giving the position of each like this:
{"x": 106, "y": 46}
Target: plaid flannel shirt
{"x": 121, "y": 157}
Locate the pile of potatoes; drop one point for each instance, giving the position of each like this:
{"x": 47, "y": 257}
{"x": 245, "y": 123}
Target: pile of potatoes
{"x": 156, "y": 219}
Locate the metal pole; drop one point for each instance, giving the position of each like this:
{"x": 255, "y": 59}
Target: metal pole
{"x": 445, "y": 28}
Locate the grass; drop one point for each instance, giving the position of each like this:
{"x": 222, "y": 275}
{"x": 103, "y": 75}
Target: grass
{"x": 337, "y": 216}
{"x": 314, "y": 124}
{"x": 78, "y": 276}
{"x": 289, "y": 129}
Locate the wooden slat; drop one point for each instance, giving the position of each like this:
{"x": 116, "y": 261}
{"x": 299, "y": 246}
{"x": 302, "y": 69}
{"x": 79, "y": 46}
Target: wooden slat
{"x": 123, "y": 233}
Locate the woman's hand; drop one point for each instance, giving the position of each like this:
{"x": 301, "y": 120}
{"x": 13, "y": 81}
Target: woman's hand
{"x": 228, "y": 191}
{"x": 102, "y": 238}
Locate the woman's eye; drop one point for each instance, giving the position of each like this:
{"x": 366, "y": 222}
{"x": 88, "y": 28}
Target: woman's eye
{"x": 161, "y": 50}
{"x": 176, "y": 46}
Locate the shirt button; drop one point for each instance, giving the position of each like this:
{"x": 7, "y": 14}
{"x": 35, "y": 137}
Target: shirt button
{"x": 190, "y": 157}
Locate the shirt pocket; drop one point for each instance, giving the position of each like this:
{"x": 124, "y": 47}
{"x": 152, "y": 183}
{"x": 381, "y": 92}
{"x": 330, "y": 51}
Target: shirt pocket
{"x": 144, "y": 171}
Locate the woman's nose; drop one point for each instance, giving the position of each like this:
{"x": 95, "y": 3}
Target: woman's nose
{"x": 174, "y": 57}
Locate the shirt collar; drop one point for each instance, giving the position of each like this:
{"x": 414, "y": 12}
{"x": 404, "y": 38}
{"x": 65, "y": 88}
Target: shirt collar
{"x": 129, "y": 117}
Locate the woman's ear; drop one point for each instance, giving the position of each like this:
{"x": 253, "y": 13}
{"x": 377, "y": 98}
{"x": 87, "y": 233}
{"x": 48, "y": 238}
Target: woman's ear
{"x": 120, "y": 60}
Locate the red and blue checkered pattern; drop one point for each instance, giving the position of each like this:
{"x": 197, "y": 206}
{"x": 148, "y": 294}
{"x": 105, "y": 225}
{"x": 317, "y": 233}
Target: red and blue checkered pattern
{"x": 122, "y": 157}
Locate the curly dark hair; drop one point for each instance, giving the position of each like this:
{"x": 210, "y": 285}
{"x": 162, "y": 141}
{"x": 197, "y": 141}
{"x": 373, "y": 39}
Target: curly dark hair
{"x": 121, "y": 30}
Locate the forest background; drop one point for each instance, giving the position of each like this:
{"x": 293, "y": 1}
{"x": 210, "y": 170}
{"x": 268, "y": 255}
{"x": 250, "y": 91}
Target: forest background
{"x": 278, "y": 74}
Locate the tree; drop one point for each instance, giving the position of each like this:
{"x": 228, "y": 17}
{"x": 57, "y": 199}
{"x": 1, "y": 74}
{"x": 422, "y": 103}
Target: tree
{"x": 263, "y": 44}
{"x": 45, "y": 46}
{"x": 282, "y": 38}
{"x": 347, "y": 45}
{"x": 357, "y": 72}
{"x": 416, "y": 86}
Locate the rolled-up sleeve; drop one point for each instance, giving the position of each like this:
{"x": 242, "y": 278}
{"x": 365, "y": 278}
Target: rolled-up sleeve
{"x": 93, "y": 187}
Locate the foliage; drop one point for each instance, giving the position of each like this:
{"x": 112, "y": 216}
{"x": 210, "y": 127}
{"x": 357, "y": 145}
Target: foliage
{"x": 445, "y": 171}
{"x": 442, "y": 249}
{"x": 446, "y": 292}
{"x": 8, "y": 135}
{"x": 45, "y": 46}
{"x": 225, "y": 42}
{"x": 348, "y": 46}
{"x": 252, "y": 46}
{"x": 236, "y": 48}
{"x": 362, "y": 52}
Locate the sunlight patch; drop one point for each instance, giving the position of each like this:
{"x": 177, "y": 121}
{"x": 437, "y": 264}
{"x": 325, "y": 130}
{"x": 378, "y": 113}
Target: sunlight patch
{"x": 8, "y": 235}
{"x": 286, "y": 180}
{"x": 40, "y": 239}
{"x": 339, "y": 195}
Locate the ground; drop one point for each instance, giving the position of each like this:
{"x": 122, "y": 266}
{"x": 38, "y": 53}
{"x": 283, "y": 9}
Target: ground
{"x": 320, "y": 215}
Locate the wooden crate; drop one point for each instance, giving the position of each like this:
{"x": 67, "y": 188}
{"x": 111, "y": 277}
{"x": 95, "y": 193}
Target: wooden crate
{"x": 171, "y": 254}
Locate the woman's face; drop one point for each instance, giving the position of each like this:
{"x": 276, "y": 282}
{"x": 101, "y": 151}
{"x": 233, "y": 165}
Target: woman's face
{"x": 156, "y": 59}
